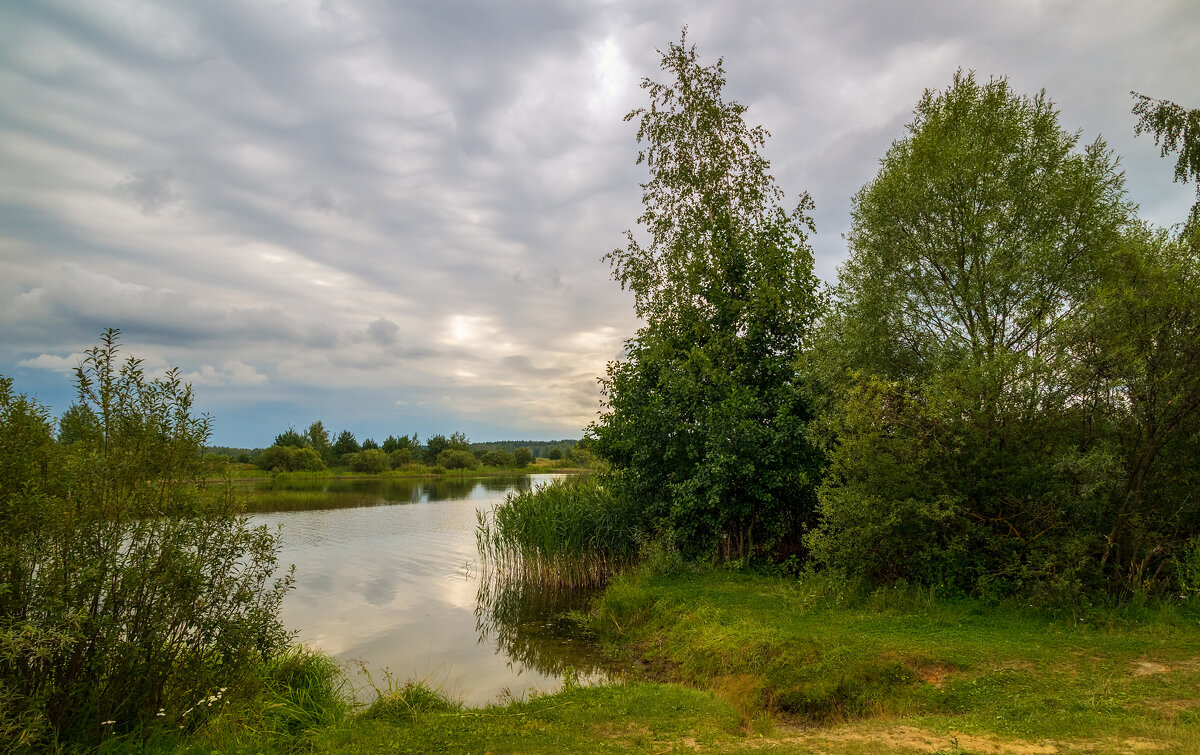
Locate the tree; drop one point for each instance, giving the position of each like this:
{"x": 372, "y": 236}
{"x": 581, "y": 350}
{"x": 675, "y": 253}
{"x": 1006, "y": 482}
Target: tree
{"x": 1176, "y": 129}
{"x": 555, "y": 454}
{"x": 317, "y": 438}
{"x": 704, "y": 423}
{"x": 1139, "y": 347}
{"x": 972, "y": 253}
{"x": 434, "y": 445}
{"x": 75, "y": 424}
{"x": 522, "y": 457}
{"x": 290, "y": 438}
{"x": 344, "y": 446}
{"x": 127, "y": 585}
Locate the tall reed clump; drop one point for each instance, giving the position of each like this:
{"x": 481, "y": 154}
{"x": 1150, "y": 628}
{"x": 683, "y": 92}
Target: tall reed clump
{"x": 563, "y": 535}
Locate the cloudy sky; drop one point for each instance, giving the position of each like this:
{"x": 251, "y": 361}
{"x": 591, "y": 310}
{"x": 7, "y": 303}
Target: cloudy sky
{"x": 390, "y": 215}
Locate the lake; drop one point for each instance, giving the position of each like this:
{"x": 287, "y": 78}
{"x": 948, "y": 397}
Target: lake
{"x": 387, "y": 575}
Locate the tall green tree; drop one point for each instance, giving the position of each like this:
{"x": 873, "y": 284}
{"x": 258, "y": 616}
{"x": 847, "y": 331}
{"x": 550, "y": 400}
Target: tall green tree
{"x": 345, "y": 445}
{"x": 704, "y": 424}
{"x": 317, "y": 438}
{"x": 972, "y": 253}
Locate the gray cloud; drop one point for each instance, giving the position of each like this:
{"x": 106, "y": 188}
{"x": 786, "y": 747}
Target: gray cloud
{"x": 149, "y": 190}
{"x": 383, "y": 332}
{"x": 327, "y": 208}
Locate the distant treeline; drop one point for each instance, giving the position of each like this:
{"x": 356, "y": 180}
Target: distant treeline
{"x": 541, "y": 449}
{"x": 315, "y": 450}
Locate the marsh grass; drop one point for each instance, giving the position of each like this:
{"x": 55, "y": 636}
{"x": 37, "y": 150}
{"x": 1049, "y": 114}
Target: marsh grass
{"x": 572, "y": 534}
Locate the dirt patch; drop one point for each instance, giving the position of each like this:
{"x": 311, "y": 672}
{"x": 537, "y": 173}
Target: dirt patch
{"x": 1148, "y": 668}
{"x": 921, "y": 740}
{"x": 933, "y": 673}
{"x": 1119, "y": 745}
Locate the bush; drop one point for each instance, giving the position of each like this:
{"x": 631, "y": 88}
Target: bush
{"x": 457, "y": 460}
{"x": 522, "y": 457}
{"x": 498, "y": 459}
{"x": 289, "y": 459}
{"x": 127, "y": 587}
{"x": 371, "y": 460}
{"x": 400, "y": 457}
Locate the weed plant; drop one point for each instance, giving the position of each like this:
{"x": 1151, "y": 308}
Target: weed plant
{"x": 567, "y": 534}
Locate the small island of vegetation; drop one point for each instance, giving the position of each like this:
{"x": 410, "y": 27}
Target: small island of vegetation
{"x": 948, "y": 505}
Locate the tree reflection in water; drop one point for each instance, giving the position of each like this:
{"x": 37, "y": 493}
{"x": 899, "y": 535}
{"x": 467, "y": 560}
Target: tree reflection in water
{"x": 536, "y": 626}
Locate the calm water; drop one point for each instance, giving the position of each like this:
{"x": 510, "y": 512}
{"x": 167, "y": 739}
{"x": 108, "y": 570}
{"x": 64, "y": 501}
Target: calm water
{"x": 387, "y": 573}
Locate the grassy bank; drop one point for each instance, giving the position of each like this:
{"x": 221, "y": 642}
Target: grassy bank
{"x": 808, "y": 653}
{"x": 732, "y": 662}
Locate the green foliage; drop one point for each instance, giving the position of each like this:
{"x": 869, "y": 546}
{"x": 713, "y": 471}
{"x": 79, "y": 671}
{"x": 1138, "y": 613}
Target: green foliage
{"x": 498, "y": 459}
{"x": 76, "y": 423}
{"x": 404, "y": 442}
{"x": 127, "y": 588}
{"x": 370, "y": 460}
{"x": 1177, "y": 130}
{"x": 971, "y": 446}
{"x": 370, "y": 445}
{"x": 457, "y": 459}
{"x": 522, "y": 457}
{"x": 344, "y": 446}
{"x": 1139, "y": 347}
{"x": 317, "y": 438}
{"x": 705, "y": 423}
{"x": 400, "y": 457}
{"x": 555, "y": 454}
{"x": 290, "y": 439}
{"x": 289, "y": 459}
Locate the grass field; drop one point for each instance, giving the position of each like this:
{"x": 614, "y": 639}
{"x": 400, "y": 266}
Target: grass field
{"x": 737, "y": 662}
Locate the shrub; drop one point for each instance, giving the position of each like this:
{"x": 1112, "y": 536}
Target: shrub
{"x": 127, "y": 587}
{"x": 289, "y": 459}
{"x": 498, "y": 459}
{"x": 457, "y": 460}
{"x": 371, "y": 460}
{"x": 400, "y": 457}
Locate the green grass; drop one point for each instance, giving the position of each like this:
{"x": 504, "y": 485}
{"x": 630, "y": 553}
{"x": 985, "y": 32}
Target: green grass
{"x": 736, "y": 662}
{"x": 564, "y": 535}
{"x": 810, "y": 652}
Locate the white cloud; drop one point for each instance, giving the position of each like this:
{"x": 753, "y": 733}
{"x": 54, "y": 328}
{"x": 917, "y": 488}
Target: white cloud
{"x": 231, "y": 372}
{"x": 53, "y": 362}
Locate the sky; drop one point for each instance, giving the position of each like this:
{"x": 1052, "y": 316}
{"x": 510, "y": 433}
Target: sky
{"x": 390, "y": 216}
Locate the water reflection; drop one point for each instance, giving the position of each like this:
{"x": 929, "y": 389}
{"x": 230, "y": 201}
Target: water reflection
{"x": 535, "y": 627}
{"x": 331, "y": 493}
{"x": 385, "y": 574}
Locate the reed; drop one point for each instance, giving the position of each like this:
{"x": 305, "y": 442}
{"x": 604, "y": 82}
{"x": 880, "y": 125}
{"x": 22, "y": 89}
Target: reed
{"x": 569, "y": 534}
